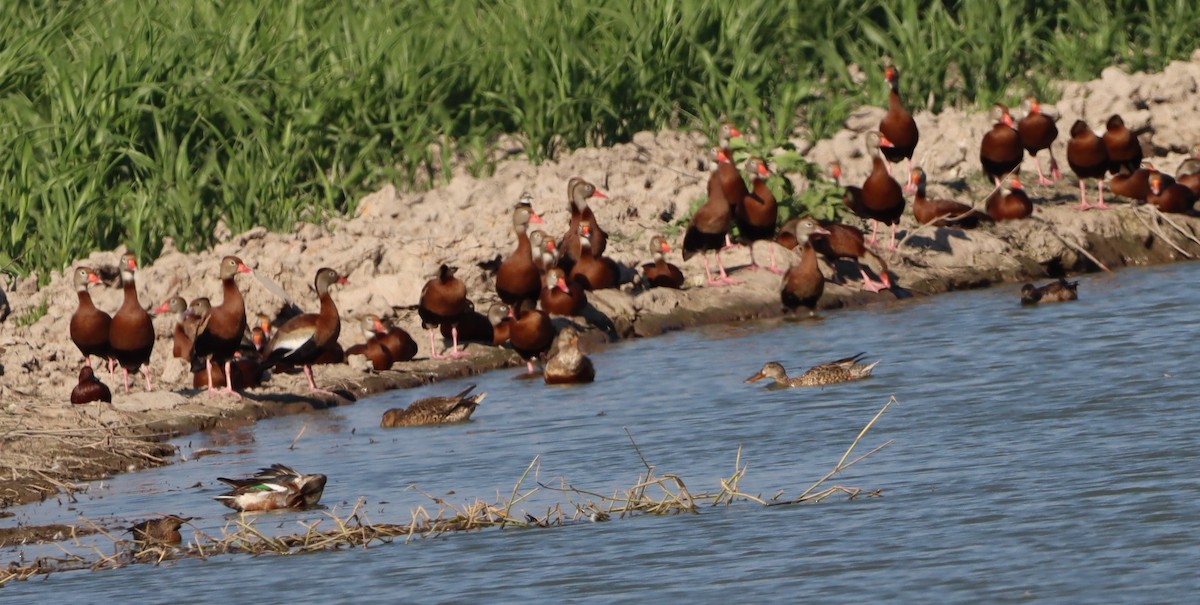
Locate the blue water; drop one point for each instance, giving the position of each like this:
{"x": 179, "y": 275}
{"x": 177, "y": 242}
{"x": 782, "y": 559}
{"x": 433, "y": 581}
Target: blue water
{"x": 1039, "y": 453}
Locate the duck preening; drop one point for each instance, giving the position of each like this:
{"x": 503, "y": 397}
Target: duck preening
{"x": 1037, "y": 131}
{"x": 833, "y": 372}
{"x": 274, "y": 488}
{"x": 434, "y": 410}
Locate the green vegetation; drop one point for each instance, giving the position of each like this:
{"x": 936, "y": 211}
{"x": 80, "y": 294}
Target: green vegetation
{"x": 126, "y": 121}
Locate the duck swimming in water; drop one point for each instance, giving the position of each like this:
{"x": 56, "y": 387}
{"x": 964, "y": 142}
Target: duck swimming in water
{"x": 841, "y": 370}
{"x": 1059, "y": 291}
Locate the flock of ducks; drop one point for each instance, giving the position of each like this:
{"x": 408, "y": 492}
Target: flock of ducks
{"x": 544, "y": 277}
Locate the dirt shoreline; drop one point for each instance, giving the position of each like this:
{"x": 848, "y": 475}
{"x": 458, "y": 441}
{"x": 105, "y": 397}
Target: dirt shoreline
{"x": 397, "y": 240}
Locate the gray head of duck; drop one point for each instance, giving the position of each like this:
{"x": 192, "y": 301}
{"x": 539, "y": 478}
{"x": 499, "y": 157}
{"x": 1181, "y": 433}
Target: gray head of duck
{"x": 771, "y": 369}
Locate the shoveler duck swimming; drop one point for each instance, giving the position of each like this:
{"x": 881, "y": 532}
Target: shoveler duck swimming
{"x": 833, "y": 372}
{"x": 1058, "y": 291}
{"x": 273, "y": 488}
{"x": 164, "y": 530}
{"x": 434, "y": 410}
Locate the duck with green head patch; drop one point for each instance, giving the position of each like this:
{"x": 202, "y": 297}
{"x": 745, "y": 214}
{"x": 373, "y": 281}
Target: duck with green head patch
{"x": 277, "y": 487}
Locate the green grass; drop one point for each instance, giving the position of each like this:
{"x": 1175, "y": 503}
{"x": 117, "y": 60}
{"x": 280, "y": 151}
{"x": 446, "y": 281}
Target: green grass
{"x": 127, "y": 121}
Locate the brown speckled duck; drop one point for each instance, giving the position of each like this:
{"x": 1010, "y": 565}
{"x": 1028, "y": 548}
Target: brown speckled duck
{"x": 567, "y": 364}
{"x": 833, "y": 372}
{"x": 163, "y": 530}
{"x": 434, "y": 410}
{"x": 1058, "y": 291}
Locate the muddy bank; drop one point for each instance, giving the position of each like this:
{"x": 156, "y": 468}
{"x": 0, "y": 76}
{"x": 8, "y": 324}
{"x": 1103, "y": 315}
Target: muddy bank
{"x": 397, "y": 240}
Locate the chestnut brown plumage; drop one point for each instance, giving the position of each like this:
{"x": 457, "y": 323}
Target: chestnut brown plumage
{"x": 845, "y": 241}
{"x": 882, "y": 195}
{"x": 90, "y": 388}
{"x": 1124, "y": 149}
{"x": 518, "y": 278}
{"x": 757, "y": 214}
{"x": 709, "y": 226}
{"x": 898, "y": 125}
{"x": 660, "y": 273}
{"x": 1000, "y": 151}
{"x": 1009, "y": 203}
{"x": 131, "y": 333}
{"x": 372, "y": 348}
{"x": 90, "y": 326}
{"x": 226, "y": 326}
{"x": 443, "y": 300}
{"x": 579, "y": 192}
{"x": 592, "y": 271}
{"x": 803, "y": 284}
{"x": 1087, "y": 156}
{"x": 560, "y": 296}
{"x": 304, "y": 339}
{"x": 531, "y": 334}
{"x": 1135, "y": 185}
{"x": 1037, "y": 131}
{"x": 1173, "y": 198}
{"x": 957, "y": 214}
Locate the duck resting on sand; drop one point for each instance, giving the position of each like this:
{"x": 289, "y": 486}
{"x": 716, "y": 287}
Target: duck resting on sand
{"x": 841, "y": 370}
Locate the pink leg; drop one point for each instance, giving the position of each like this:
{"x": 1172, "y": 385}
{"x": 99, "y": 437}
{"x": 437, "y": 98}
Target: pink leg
{"x": 212, "y": 390}
{"x": 126, "y": 371}
{"x": 1042, "y": 180}
{"x": 529, "y": 366}
{"x": 1055, "y": 173}
{"x": 312, "y": 384}
{"x": 229, "y": 379}
{"x": 753, "y": 263}
{"x": 112, "y": 368}
{"x": 1083, "y": 205}
{"x": 724, "y": 276}
{"x": 892, "y": 244}
{"x": 874, "y": 232}
{"x": 774, "y": 268}
{"x": 87, "y": 360}
{"x": 869, "y": 284}
{"x": 146, "y": 372}
{"x": 454, "y": 352}
{"x": 1100, "y": 195}
{"x": 708, "y": 272}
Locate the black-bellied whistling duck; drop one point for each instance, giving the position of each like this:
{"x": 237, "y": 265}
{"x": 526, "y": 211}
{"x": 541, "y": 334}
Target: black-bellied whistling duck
{"x": 709, "y": 227}
{"x": 1009, "y": 203}
{"x": 1037, "y": 131}
{"x": 373, "y": 349}
{"x": 1059, "y": 291}
{"x": 1188, "y": 174}
{"x": 844, "y": 241}
{"x": 544, "y": 250}
{"x": 898, "y": 125}
{"x": 181, "y": 340}
{"x": 803, "y": 283}
{"x": 472, "y": 326}
{"x": 926, "y": 210}
{"x": 131, "y": 333}
{"x": 727, "y": 175}
{"x": 398, "y": 342}
{"x": 434, "y": 410}
{"x": 89, "y": 325}
{"x": 90, "y": 388}
{"x": 1173, "y": 197}
{"x": 591, "y": 271}
{"x": 660, "y": 273}
{"x": 1087, "y": 156}
{"x": 502, "y": 319}
{"x": 567, "y": 364}
{"x": 518, "y": 278}
{"x": 246, "y": 373}
{"x": 531, "y": 334}
{"x": 560, "y": 297}
{"x": 444, "y": 301}
{"x": 190, "y": 324}
{"x": 882, "y": 195}
{"x": 1124, "y": 150}
{"x": 579, "y": 192}
{"x": 303, "y": 339}
{"x": 1135, "y": 185}
{"x": 222, "y": 336}
{"x": 1000, "y": 151}
{"x": 852, "y": 198}
{"x": 758, "y": 212}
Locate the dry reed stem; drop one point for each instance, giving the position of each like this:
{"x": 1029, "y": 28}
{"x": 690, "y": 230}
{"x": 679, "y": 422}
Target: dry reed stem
{"x": 353, "y": 529}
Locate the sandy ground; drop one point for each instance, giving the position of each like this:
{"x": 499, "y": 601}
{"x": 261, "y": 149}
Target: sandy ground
{"x": 397, "y": 240}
